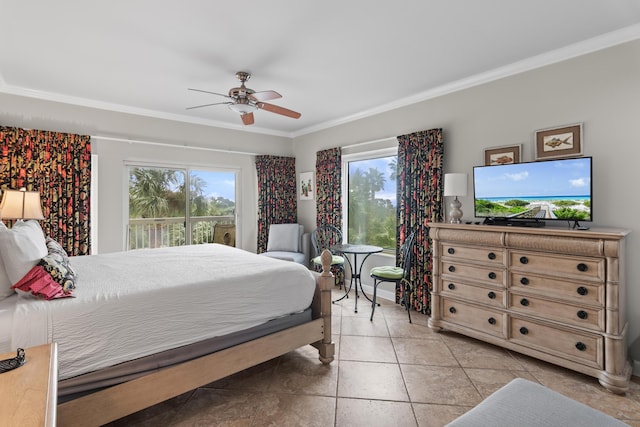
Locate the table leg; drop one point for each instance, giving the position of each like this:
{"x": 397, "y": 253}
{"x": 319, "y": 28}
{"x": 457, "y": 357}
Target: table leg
{"x": 347, "y": 290}
{"x": 360, "y": 279}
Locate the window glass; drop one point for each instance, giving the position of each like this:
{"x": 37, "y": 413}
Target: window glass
{"x": 159, "y": 215}
{"x": 371, "y": 201}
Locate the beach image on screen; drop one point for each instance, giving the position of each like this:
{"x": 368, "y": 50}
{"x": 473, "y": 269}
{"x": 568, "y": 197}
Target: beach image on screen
{"x": 557, "y": 189}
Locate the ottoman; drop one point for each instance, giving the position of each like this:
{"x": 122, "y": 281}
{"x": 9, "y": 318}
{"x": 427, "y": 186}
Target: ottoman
{"x": 523, "y": 403}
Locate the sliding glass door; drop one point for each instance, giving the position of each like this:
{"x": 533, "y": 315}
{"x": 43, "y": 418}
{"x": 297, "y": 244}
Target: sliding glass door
{"x": 180, "y": 206}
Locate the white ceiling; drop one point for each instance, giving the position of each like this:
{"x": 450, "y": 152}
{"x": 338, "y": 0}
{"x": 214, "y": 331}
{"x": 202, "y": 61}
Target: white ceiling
{"x": 332, "y": 60}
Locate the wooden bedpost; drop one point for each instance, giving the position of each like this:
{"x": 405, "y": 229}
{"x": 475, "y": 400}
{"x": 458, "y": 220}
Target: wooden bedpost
{"x": 322, "y": 308}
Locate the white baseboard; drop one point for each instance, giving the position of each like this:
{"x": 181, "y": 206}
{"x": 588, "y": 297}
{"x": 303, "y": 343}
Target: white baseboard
{"x": 382, "y": 293}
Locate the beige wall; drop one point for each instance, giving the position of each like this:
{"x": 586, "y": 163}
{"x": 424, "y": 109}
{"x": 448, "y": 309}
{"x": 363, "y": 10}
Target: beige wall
{"x": 601, "y": 90}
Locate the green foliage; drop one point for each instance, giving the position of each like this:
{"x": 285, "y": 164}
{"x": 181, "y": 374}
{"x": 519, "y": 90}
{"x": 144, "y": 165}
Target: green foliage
{"x": 516, "y": 202}
{"x": 372, "y": 221}
{"x": 571, "y": 214}
{"x": 565, "y": 203}
{"x": 487, "y": 208}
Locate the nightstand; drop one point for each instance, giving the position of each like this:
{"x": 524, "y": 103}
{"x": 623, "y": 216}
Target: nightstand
{"x": 29, "y": 393}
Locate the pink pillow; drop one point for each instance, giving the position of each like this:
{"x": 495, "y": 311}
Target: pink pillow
{"x": 40, "y": 283}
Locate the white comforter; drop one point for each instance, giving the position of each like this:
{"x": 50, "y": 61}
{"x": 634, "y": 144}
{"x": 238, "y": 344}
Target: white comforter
{"x": 136, "y": 303}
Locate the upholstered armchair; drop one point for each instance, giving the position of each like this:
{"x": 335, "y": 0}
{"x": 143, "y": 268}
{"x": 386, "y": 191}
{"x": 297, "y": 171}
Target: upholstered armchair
{"x": 289, "y": 242}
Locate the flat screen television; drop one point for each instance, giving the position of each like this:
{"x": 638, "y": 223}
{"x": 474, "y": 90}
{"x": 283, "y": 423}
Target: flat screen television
{"x": 531, "y": 193}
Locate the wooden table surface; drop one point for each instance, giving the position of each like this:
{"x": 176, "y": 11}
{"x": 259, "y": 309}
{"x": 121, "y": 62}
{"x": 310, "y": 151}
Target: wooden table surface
{"x": 28, "y": 394}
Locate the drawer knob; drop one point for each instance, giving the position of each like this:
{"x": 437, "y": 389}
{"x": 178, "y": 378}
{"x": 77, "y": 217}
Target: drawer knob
{"x": 452, "y": 268}
{"x": 452, "y": 310}
{"x": 524, "y": 281}
{"x": 491, "y": 255}
{"x": 451, "y": 251}
{"x": 581, "y": 346}
{"x": 451, "y": 286}
{"x": 524, "y": 260}
{"x": 492, "y": 321}
{"x": 582, "y": 290}
{"x": 583, "y": 314}
{"x": 582, "y": 267}
{"x": 524, "y": 302}
{"x": 492, "y": 295}
{"x": 524, "y": 331}
{"x": 492, "y": 275}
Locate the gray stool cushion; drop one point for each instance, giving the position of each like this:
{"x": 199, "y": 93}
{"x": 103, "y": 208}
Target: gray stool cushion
{"x": 523, "y": 403}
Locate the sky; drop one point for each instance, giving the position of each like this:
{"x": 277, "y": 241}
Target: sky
{"x": 566, "y": 177}
{"x": 382, "y": 164}
{"x": 219, "y": 184}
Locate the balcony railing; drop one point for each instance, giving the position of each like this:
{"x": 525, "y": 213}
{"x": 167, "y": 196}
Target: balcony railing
{"x": 146, "y": 233}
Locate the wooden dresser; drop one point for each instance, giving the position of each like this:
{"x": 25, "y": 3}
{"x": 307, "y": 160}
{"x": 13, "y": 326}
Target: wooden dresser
{"x": 554, "y": 294}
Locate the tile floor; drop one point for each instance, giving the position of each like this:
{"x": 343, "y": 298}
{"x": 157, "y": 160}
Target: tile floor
{"x": 386, "y": 373}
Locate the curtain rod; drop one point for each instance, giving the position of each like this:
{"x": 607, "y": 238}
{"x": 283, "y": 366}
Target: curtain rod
{"x": 138, "y": 141}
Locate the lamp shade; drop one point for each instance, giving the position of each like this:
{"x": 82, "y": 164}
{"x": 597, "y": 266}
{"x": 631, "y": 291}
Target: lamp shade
{"x": 455, "y": 184}
{"x": 20, "y": 204}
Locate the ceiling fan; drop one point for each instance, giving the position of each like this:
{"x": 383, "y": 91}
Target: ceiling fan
{"x": 245, "y": 101}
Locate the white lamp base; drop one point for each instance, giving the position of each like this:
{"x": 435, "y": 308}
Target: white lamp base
{"x": 456, "y": 212}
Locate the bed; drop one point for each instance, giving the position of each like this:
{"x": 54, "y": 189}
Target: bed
{"x": 144, "y": 326}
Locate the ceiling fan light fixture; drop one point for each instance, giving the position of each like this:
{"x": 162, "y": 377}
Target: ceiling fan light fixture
{"x": 243, "y": 108}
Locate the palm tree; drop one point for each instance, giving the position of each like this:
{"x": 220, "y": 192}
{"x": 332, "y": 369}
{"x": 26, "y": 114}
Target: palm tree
{"x": 375, "y": 181}
{"x": 151, "y": 195}
{"x": 393, "y": 166}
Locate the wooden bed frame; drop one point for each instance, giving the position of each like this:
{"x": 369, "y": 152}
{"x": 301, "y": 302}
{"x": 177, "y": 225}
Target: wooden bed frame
{"x": 123, "y": 399}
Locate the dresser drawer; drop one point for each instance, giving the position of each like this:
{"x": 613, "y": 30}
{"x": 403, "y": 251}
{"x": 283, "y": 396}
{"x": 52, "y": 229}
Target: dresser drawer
{"x": 485, "y": 255}
{"x": 480, "y": 319}
{"x": 563, "y": 266}
{"x": 485, "y": 296}
{"x": 584, "y": 316}
{"x": 572, "y": 345}
{"x": 581, "y": 292}
{"x": 456, "y": 270}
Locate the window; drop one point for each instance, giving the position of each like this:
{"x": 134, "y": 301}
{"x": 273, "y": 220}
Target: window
{"x": 370, "y": 198}
{"x": 159, "y": 215}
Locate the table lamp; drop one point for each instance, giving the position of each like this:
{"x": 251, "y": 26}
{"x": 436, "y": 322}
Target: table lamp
{"x": 20, "y": 204}
{"x": 455, "y": 184}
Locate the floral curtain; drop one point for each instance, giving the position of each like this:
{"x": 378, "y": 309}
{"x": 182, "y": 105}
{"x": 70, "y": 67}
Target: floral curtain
{"x": 329, "y": 194}
{"x": 420, "y": 187}
{"x": 277, "y": 203}
{"x": 329, "y": 187}
{"x": 58, "y": 166}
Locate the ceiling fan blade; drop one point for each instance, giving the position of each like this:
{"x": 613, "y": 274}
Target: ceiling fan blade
{"x": 247, "y": 118}
{"x": 278, "y": 110}
{"x": 212, "y": 93}
{"x": 265, "y": 95}
{"x": 208, "y": 105}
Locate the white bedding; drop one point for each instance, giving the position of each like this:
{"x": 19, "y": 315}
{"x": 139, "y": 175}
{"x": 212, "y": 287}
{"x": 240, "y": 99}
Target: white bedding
{"x": 136, "y": 303}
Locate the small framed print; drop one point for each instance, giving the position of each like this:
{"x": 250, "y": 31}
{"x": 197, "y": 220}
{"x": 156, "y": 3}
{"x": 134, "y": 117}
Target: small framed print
{"x": 558, "y": 142}
{"x": 502, "y": 155}
{"x": 306, "y": 186}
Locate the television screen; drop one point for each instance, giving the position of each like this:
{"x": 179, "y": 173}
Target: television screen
{"x": 547, "y": 190}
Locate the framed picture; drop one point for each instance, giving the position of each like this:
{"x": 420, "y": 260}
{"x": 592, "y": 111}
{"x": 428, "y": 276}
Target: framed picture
{"x": 306, "y": 186}
{"x": 564, "y": 141}
{"x": 502, "y": 155}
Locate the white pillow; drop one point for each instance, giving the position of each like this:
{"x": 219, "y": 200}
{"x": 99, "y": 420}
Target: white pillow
{"x": 22, "y": 248}
{"x": 5, "y": 283}
{"x": 284, "y": 237}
